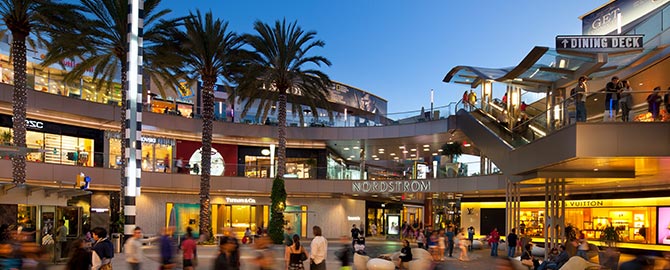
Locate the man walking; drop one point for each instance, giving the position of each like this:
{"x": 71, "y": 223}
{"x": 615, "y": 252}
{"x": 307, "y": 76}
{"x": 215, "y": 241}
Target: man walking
{"x": 318, "y": 250}
{"x": 354, "y": 235}
{"x": 494, "y": 238}
{"x": 450, "y": 240}
{"x": 133, "y": 249}
{"x": 512, "y": 239}
{"x": 61, "y": 240}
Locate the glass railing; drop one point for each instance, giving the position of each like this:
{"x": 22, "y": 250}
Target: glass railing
{"x": 520, "y": 128}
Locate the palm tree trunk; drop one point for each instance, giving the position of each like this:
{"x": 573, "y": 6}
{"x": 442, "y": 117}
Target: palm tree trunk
{"x": 19, "y": 106}
{"x": 281, "y": 134}
{"x": 122, "y": 137}
{"x": 207, "y": 118}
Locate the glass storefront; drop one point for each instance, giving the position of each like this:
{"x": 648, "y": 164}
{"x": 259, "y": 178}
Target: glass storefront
{"x": 640, "y": 220}
{"x": 58, "y": 149}
{"x": 259, "y": 166}
{"x": 157, "y": 153}
{"x": 238, "y": 217}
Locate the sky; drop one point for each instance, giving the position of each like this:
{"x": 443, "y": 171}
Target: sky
{"x": 400, "y": 50}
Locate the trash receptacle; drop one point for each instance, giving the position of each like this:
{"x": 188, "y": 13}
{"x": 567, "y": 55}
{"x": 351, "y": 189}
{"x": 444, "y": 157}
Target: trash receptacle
{"x": 116, "y": 241}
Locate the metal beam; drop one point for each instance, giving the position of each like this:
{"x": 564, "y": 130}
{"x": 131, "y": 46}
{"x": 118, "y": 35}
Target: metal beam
{"x": 557, "y": 70}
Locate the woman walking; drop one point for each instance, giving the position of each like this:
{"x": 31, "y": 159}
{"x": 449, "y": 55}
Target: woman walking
{"x": 463, "y": 245}
{"x": 295, "y": 255}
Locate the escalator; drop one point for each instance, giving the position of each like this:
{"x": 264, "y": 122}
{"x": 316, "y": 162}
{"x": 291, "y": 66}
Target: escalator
{"x": 490, "y": 136}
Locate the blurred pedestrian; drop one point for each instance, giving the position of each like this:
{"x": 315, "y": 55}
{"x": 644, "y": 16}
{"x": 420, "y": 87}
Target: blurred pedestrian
{"x": 471, "y": 237}
{"x": 190, "y": 251}
{"x": 512, "y": 240}
{"x": 264, "y": 258}
{"x": 61, "y": 240}
{"x": 133, "y": 249}
{"x": 463, "y": 245}
{"x": 654, "y": 103}
{"x": 494, "y": 239}
{"x": 226, "y": 260}
{"x": 80, "y": 258}
{"x": 166, "y": 249}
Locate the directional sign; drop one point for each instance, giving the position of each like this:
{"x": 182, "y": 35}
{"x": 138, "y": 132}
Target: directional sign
{"x": 599, "y": 42}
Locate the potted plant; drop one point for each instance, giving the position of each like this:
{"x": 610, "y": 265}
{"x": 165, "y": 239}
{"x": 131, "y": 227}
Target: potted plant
{"x": 452, "y": 150}
{"x": 610, "y": 256}
{"x": 6, "y": 137}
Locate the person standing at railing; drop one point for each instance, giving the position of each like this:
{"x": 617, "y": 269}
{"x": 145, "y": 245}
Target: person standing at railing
{"x": 466, "y": 100}
{"x": 625, "y": 101}
{"x": 612, "y": 99}
{"x": 579, "y": 95}
{"x": 666, "y": 101}
{"x": 472, "y": 97}
{"x": 654, "y": 101}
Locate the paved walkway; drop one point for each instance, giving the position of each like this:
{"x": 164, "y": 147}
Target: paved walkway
{"x": 479, "y": 259}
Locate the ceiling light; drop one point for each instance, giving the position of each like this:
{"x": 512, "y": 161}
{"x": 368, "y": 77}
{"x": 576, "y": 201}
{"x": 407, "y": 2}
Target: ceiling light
{"x": 434, "y": 154}
{"x": 351, "y": 156}
{"x": 381, "y": 149}
{"x": 467, "y": 145}
{"x": 426, "y": 149}
{"x": 377, "y": 158}
{"x": 426, "y": 145}
{"x": 348, "y": 158}
{"x": 413, "y": 155}
{"x": 405, "y": 152}
{"x": 401, "y": 147}
{"x": 374, "y": 156}
{"x": 346, "y": 149}
{"x": 595, "y": 170}
{"x": 439, "y": 150}
{"x": 396, "y": 158}
{"x": 392, "y": 154}
{"x": 356, "y": 147}
{"x": 413, "y": 150}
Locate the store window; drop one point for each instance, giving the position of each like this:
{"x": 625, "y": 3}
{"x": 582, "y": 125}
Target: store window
{"x": 156, "y": 153}
{"x": 7, "y": 73}
{"x": 58, "y": 149}
{"x": 259, "y": 166}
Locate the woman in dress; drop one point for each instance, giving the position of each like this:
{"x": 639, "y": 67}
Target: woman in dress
{"x": 293, "y": 255}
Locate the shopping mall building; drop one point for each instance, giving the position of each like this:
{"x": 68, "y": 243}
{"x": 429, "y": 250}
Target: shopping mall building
{"x": 357, "y": 164}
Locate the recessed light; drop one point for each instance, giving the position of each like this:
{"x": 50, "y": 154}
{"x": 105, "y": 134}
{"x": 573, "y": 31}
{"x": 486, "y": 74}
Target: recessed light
{"x": 374, "y": 195}
{"x": 405, "y": 152}
{"x": 401, "y": 147}
{"x": 426, "y": 145}
{"x": 467, "y": 145}
{"x": 426, "y": 149}
{"x": 381, "y": 149}
{"x": 413, "y": 155}
{"x": 374, "y": 156}
{"x": 434, "y": 154}
{"x": 595, "y": 170}
{"x": 348, "y": 158}
{"x": 439, "y": 150}
{"x": 346, "y": 149}
{"x": 392, "y": 154}
{"x": 351, "y": 156}
{"x": 356, "y": 147}
{"x": 413, "y": 149}
{"x": 396, "y": 158}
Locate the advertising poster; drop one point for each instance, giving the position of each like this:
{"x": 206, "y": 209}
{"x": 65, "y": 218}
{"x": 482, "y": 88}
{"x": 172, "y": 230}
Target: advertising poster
{"x": 357, "y": 99}
{"x": 663, "y": 233}
{"x": 393, "y": 223}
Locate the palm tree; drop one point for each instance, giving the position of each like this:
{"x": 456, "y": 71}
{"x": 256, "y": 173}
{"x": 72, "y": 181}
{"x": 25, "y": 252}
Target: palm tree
{"x": 98, "y": 41}
{"x": 277, "y": 69}
{"x": 23, "y": 18}
{"x": 205, "y": 47}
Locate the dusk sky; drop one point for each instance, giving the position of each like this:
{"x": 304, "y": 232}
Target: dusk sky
{"x": 399, "y": 50}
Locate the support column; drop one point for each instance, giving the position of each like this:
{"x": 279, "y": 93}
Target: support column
{"x": 133, "y": 113}
{"x": 554, "y": 213}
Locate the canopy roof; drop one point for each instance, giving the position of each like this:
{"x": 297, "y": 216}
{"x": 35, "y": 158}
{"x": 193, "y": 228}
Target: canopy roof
{"x": 544, "y": 67}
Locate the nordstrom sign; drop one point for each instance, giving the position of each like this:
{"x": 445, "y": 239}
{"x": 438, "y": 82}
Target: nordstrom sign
{"x": 390, "y": 186}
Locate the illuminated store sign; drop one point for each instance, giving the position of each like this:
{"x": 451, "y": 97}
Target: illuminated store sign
{"x": 593, "y": 203}
{"x": 354, "y": 218}
{"x": 34, "y": 124}
{"x": 599, "y": 42}
{"x": 390, "y": 186}
{"x": 618, "y": 13}
{"x": 240, "y": 200}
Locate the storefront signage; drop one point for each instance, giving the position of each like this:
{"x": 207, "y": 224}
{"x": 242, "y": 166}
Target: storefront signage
{"x": 354, "y": 218}
{"x": 599, "y": 42}
{"x": 390, "y": 186}
{"x": 594, "y": 203}
{"x": 241, "y": 200}
{"x": 146, "y": 139}
{"x": 618, "y": 13}
{"x": 34, "y": 124}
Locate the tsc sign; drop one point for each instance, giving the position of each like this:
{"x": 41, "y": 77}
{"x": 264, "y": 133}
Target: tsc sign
{"x": 34, "y": 124}
{"x": 599, "y": 43}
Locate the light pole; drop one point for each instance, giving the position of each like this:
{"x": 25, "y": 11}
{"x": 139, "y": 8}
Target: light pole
{"x": 431, "y": 104}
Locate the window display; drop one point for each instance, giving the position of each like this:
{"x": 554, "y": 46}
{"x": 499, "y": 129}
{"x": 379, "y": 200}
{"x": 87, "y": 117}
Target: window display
{"x": 663, "y": 226}
{"x": 58, "y": 149}
{"x": 156, "y": 153}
